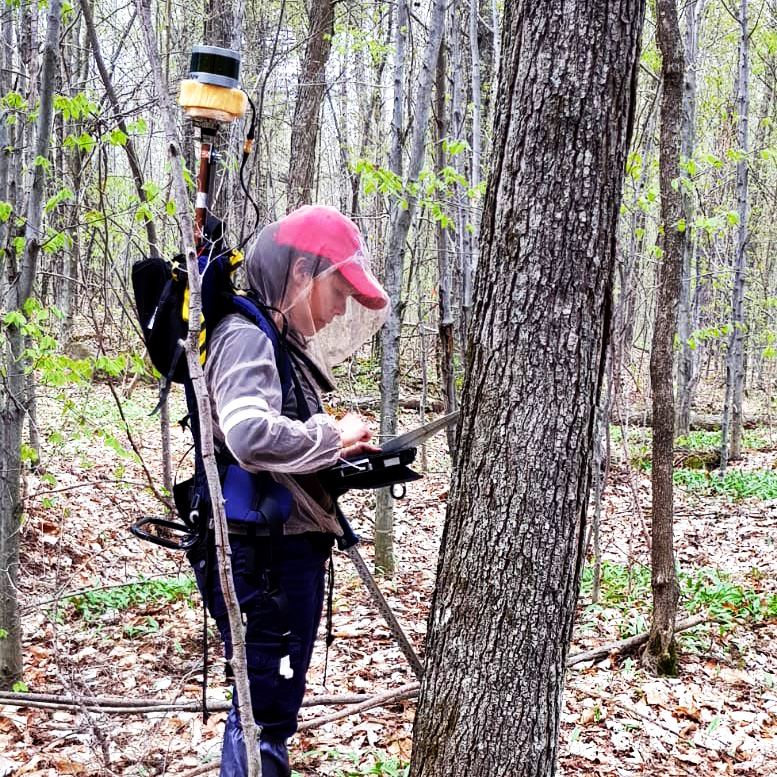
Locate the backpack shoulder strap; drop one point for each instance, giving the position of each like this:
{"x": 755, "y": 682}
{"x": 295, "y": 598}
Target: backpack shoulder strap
{"x": 289, "y": 380}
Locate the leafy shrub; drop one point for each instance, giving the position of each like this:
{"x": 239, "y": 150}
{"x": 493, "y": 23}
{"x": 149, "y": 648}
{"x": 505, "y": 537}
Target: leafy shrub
{"x": 91, "y": 604}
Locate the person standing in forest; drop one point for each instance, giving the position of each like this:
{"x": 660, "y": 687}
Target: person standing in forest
{"x": 310, "y": 271}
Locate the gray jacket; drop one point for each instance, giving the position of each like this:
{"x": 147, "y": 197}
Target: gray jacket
{"x": 260, "y": 427}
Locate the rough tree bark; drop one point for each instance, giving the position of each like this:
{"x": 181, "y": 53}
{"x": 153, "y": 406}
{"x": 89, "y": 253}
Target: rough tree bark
{"x": 13, "y": 389}
{"x": 310, "y": 95}
{"x": 660, "y": 654}
{"x": 511, "y": 552}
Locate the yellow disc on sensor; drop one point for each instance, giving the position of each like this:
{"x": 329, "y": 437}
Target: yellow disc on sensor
{"x": 206, "y": 101}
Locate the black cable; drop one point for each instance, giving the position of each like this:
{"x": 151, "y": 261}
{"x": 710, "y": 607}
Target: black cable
{"x": 249, "y": 142}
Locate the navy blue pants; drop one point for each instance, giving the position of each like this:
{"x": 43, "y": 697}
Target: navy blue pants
{"x": 275, "y": 699}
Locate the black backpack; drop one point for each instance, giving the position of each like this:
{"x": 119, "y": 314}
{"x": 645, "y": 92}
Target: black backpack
{"x": 161, "y": 297}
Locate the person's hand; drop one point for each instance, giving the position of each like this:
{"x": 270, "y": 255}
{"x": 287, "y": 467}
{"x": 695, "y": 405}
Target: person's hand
{"x": 359, "y": 449}
{"x": 354, "y": 435}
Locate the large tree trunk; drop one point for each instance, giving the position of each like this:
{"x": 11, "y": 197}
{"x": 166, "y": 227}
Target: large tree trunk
{"x": 511, "y": 551}
{"x": 307, "y": 112}
{"x": 660, "y": 652}
{"x": 13, "y": 390}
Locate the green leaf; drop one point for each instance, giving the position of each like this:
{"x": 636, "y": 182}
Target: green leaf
{"x": 86, "y": 142}
{"x": 31, "y": 306}
{"x": 117, "y": 137}
{"x": 28, "y": 454}
{"x": 41, "y": 161}
{"x": 454, "y": 147}
{"x": 14, "y": 318}
{"x": 170, "y": 208}
{"x": 138, "y": 127}
{"x": 20, "y": 688}
{"x": 111, "y": 365}
{"x": 6, "y": 209}
{"x": 151, "y": 189}
{"x": 681, "y": 225}
{"x": 61, "y": 196}
{"x": 732, "y": 218}
{"x": 143, "y": 213}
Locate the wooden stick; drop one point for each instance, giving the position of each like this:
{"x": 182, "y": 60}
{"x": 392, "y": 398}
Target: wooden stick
{"x": 121, "y": 705}
{"x": 631, "y": 642}
{"x": 378, "y": 700}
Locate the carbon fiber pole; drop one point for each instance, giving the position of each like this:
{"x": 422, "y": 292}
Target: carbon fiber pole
{"x": 384, "y": 609}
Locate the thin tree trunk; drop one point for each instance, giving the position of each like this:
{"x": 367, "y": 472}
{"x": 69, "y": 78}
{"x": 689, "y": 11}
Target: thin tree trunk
{"x": 13, "y": 390}
{"x": 129, "y": 146}
{"x": 389, "y": 335}
{"x": 307, "y": 112}
{"x": 660, "y": 655}
{"x": 446, "y": 324}
{"x": 223, "y": 555}
{"x": 477, "y": 101}
{"x": 629, "y": 265}
{"x": 688, "y": 359}
{"x": 735, "y": 361}
{"x": 398, "y": 231}
{"x": 512, "y": 546}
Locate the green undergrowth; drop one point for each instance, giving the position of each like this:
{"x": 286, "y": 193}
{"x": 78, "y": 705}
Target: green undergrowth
{"x": 83, "y": 425}
{"x": 626, "y": 597}
{"x": 752, "y": 439}
{"x": 90, "y": 605}
{"x": 736, "y": 484}
{"x": 639, "y": 443}
{"x": 639, "y": 439}
{"x": 358, "y": 376}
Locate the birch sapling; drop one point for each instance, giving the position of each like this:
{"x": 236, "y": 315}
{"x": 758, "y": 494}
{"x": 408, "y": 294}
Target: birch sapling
{"x": 186, "y": 224}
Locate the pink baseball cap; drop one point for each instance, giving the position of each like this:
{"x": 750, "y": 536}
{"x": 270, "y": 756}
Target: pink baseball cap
{"x": 323, "y": 231}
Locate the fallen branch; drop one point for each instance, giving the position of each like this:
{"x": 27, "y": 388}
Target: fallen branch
{"x": 707, "y": 422}
{"x": 407, "y": 403}
{"x": 121, "y": 705}
{"x": 378, "y": 700}
{"x": 631, "y": 642}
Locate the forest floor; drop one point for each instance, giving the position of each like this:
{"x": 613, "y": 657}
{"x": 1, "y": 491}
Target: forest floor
{"x": 105, "y": 614}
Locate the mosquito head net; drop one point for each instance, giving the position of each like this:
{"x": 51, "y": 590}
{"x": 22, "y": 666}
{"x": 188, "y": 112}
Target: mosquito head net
{"x": 313, "y": 267}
